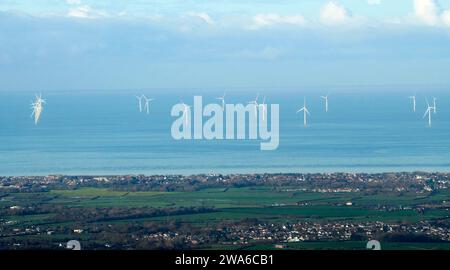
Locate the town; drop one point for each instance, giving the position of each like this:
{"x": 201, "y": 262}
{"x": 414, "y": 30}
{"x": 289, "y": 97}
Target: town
{"x": 278, "y": 211}
{"x": 418, "y": 182}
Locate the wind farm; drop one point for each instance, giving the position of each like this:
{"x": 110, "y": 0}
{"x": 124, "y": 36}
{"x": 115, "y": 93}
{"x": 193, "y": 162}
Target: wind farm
{"x": 144, "y": 105}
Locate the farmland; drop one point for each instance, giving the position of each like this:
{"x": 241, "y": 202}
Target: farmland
{"x": 215, "y": 208}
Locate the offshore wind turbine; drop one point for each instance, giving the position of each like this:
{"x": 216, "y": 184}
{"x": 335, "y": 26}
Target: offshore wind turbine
{"x": 255, "y": 103}
{"x": 305, "y": 113}
{"x": 37, "y": 107}
{"x": 185, "y": 112}
{"x": 428, "y": 111}
{"x": 139, "y": 98}
{"x": 147, "y": 101}
{"x": 222, "y": 98}
{"x": 414, "y": 102}
{"x": 325, "y": 98}
{"x": 263, "y": 106}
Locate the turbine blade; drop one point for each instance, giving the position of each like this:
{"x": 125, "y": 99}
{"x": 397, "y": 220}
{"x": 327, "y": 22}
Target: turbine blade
{"x": 301, "y": 110}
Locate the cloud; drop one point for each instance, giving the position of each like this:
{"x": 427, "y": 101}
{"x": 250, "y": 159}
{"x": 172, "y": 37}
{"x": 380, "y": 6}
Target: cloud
{"x": 78, "y": 10}
{"x": 270, "y": 19}
{"x": 202, "y": 16}
{"x": 430, "y": 13}
{"x": 427, "y": 11}
{"x": 446, "y": 17}
{"x": 85, "y": 12}
{"x": 333, "y": 14}
{"x": 73, "y": 2}
{"x": 374, "y": 2}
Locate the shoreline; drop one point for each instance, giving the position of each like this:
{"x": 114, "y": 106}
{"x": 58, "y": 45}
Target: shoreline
{"x": 386, "y": 172}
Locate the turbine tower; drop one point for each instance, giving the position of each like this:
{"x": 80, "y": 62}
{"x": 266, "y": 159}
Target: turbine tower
{"x": 414, "y": 102}
{"x": 305, "y": 113}
{"x": 255, "y": 103}
{"x": 325, "y": 98}
{"x": 222, "y": 99}
{"x": 37, "y": 107}
{"x": 263, "y": 106}
{"x": 434, "y": 105}
{"x": 428, "y": 111}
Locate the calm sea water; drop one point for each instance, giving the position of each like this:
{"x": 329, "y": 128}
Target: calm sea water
{"x": 96, "y": 132}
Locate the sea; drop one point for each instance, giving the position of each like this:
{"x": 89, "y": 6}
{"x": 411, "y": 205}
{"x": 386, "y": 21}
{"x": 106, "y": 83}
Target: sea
{"x": 98, "y": 132}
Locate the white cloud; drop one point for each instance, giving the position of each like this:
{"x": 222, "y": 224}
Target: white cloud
{"x": 446, "y": 17}
{"x": 270, "y": 19}
{"x": 333, "y": 14}
{"x": 85, "y": 12}
{"x": 79, "y": 12}
{"x": 73, "y": 2}
{"x": 202, "y": 16}
{"x": 429, "y": 13}
{"x": 374, "y": 2}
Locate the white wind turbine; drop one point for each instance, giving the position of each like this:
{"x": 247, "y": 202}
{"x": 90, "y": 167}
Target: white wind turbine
{"x": 222, "y": 98}
{"x": 325, "y": 98}
{"x": 185, "y": 112}
{"x": 305, "y": 113}
{"x": 147, "y": 103}
{"x": 263, "y": 107}
{"x": 255, "y": 103}
{"x": 414, "y": 102}
{"x": 428, "y": 111}
{"x": 139, "y": 98}
{"x": 37, "y": 107}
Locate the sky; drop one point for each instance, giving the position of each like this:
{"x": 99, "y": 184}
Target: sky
{"x": 162, "y": 44}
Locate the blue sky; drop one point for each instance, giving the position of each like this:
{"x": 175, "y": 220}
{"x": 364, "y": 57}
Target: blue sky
{"x": 85, "y": 44}
{"x": 309, "y": 8}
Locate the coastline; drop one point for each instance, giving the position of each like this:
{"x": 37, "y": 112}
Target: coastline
{"x": 191, "y": 172}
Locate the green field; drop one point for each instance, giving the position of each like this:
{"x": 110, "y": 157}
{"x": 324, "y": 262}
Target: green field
{"x": 235, "y": 204}
{"x": 238, "y": 203}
